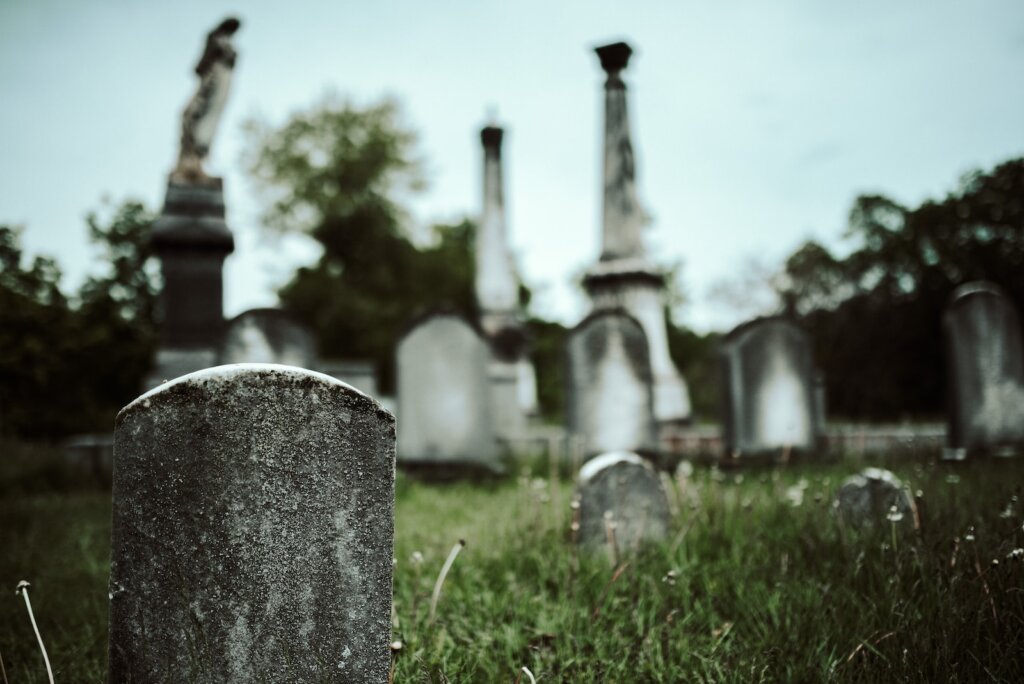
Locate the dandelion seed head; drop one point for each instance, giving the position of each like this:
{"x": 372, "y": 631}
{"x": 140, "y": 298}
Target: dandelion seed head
{"x": 895, "y": 514}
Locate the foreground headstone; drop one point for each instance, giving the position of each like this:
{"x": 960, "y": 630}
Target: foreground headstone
{"x": 985, "y": 362}
{"x": 253, "y": 530}
{"x": 611, "y": 406}
{"x": 268, "y": 336}
{"x": 875, "y": 497}
{"x": 622, "y": 502}
{"x": 769, "y": 388}
{"x": 445, "y": 397}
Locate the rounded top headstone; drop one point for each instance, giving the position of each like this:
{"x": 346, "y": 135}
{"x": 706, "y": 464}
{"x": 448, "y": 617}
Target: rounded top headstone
{"x": 210, "y": 381}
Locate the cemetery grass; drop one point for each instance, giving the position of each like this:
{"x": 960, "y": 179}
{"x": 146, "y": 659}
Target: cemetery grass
{"x": 759, "y": 582}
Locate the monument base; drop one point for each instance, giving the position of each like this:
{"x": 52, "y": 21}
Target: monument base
{"x": 639, "y": 287}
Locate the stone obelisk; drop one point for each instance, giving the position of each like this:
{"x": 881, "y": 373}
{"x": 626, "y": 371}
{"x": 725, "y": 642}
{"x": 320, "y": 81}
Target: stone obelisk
{"x": 624, "y": 277}
{"x": 497, "y": 286}
{"x": 513, "y": 383}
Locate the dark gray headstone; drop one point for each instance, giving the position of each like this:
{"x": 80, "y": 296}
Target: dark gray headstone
{"x": 622, "y": 501}
{"x": 253, "y": 530}
{"x": 610, "y": 403}
{"x": 268, "y": 336}
{"x": 769, "y": 393}
{"x": 985, "y": 361}
{"x": 874, "y": 497}
{"x": 444, "y": 396}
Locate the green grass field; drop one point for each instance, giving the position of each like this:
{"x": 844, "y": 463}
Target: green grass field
{"x": 750, "y": 588}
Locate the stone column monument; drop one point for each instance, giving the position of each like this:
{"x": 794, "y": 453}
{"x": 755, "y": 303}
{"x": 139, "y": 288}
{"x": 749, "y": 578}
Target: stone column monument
{"x": 497, "y": 286}
{"x": 191, "y": 237}
{"x": 513, "y": 383}
{"x": 624, "y": 277}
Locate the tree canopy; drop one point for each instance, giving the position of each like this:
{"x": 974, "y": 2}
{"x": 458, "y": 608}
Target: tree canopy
{"x": 68, "y": 364}
{"x": 875, "y": 314}
{"x": 339, "y": 173}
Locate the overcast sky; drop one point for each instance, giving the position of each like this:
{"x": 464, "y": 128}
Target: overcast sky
{"x": 755, "y": 123}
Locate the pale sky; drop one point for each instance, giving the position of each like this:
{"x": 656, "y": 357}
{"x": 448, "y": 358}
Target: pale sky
{"x": 755, "y": 123}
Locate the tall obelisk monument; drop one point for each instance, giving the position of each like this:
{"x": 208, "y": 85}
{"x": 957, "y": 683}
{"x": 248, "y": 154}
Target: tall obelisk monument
{"x": 625, "y": 277}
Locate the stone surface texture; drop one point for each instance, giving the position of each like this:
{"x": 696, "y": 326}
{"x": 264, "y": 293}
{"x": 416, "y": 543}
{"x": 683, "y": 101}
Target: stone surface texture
{"x": 768, "y": 382}
{"x": 445, "y": 395}
{"x": 985, "y": 362}
{"x": 610, "y": 401}
{"x": 253, "y": 530}
{"x": 622, "y": 491}
{"x": 867, "y": 498}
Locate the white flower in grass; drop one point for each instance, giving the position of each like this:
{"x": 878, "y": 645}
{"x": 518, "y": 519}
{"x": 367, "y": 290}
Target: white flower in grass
{"x": 895, "y": 514}
{"x": 416, "y": 558}
{"x": 1016, "y": 554}
{"x": 795, "y": 495}
{"x": 970, "y": 534}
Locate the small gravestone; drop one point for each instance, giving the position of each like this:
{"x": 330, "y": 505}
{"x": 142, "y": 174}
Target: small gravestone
{"x": 609, "y": 377}
{"x": 875, "y": 497}
{"x": 622, "y": 502}
{"x": 985, "y": 362}
{"x": 268, "y": 336}
{"x": 253, "y": 530}
{"x": 444, "y": 396}
{"x": 769, "y": 388}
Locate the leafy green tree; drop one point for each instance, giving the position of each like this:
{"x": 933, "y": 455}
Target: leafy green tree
{"x": 115, "y": 317}
{"x": 339, "y": 173}
{"x": 875, "y": 314}
{"x": 69, "y": 366}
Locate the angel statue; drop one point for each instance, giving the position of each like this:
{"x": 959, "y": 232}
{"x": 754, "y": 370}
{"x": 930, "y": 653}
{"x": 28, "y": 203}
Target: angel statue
{"x": 202, "y": 114}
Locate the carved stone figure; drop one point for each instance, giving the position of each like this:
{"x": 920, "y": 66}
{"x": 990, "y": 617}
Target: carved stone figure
{"x": 202, "y": 114}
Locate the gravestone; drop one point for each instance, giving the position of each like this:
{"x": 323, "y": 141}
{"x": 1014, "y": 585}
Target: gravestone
{"x": 609, "y": 379}
{"x": 253, "y": 530}
{"x": 268, "y": 336}
{"x": 622, "y": 502}
{"x": 768, "y": 378}
{"x": 985, "y": 371}
{"x": 444, "y": 396}
{"x": 874, "y": 497}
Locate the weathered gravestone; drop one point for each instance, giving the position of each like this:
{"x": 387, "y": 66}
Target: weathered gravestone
{"x": 444, "y": 396}
{"x": 768, "y": 378}
{"x": 985, "y": 362}
{"x": 622, "y": 502}
{"x": 609, "y": 379}
{"x": 268, "y": 336}
{"x": 253, "y": 530}
{"x": 873, "y": 497}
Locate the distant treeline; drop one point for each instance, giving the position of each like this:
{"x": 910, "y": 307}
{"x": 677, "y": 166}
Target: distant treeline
{"x": 337, "y": 172}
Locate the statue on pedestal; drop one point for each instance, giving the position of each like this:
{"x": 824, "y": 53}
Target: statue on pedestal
{"x": 202, "y": 114}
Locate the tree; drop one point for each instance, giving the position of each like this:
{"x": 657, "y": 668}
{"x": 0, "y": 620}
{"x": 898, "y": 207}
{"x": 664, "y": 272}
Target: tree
{"x": 339, "y": 173}
{"x": 875, "y": 315}
{"x": 69, "y": 366}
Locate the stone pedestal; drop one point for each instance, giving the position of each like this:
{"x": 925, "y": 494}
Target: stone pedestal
{"x": 191, "y": 239}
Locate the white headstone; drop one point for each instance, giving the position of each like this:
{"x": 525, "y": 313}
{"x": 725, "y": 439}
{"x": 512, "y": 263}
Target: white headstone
{"x": 609, "y": 380}
{"x": 444, "y": 395}
{"x": 769, "y": 388}
{"x": 985, "y": 361}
